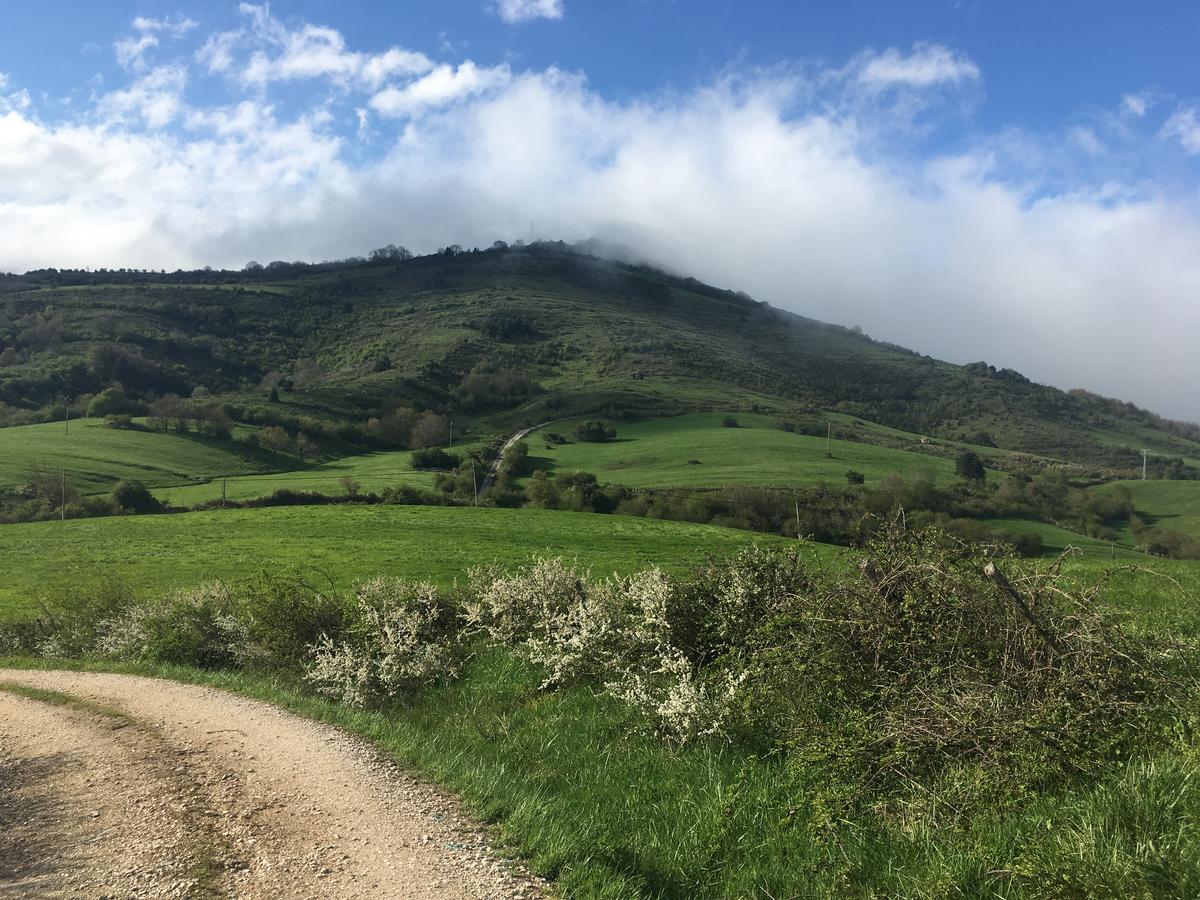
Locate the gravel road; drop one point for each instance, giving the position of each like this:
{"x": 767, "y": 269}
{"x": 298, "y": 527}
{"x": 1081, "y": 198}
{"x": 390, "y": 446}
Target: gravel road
{"x": 140, "y": 787}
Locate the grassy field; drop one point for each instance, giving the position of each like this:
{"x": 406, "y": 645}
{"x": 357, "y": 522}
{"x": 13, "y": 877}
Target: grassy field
{"x": 1056, "y": 540}
{"x": 656, "y": 453}
{"x": 1169, "y": 505}
{"x": 589, "y": 799}
{"x": 372, "y": 471}
{"x": 95, "y": 457}
{"x": 154, "y": 553}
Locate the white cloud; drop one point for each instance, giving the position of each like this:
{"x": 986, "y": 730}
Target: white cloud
{"x": 1184, "y": 127}
{"x": 443, "y": 86}
{"x": 305, "y": 52}
{"x": 176, "y": 27}
{"x": 757, "y": 182}
{"x": 131, "y": 51}
{"x": 515, "y": 11}
{"x": 156, "y": 99}
{"x": 1135, "y": 104}
{"x": 927, "y": 65}
{"x": 1086, "y": 139}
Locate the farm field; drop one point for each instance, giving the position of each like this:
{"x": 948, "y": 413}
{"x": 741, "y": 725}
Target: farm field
{"x": 348, "y": 542}
{"x": 656, "y": 453}
{"x": 1056, "y": 540}
{"x": 372, "y": 471}
{"x": 95, "y": 457}
{"x": 1168, "y": 505}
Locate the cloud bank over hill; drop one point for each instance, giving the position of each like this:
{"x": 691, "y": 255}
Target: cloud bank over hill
{"x": 1069, "y": 256}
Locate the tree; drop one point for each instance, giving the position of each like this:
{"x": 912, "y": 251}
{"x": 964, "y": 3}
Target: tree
{"x": 970, "y": 466}
{"x": 133, "y": 496}
{"x": 110, "y": 402}
{"x": 542, "y": 492}
{"x": 595, "y": 431}
{"x": 430, "y": 430}
{"x": 350, "y": 486}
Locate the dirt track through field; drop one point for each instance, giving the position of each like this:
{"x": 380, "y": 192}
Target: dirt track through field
{"x": 120, "y": 786}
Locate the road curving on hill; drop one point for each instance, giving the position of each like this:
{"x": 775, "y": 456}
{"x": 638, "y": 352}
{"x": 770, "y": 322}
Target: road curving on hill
{"x": 118, "y": 785}
{"x": 494, "y": 469}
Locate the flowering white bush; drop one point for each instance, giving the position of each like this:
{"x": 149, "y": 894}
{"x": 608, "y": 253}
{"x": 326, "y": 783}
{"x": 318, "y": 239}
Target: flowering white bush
{"x": 403, "y": 636}
{"x": 197, "y": 626}
{"x": 618, "y": 632}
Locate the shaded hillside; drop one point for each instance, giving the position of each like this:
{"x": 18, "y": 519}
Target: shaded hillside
{"x": 516, "y": 334}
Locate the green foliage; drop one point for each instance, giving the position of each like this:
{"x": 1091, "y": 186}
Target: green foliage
{"x": 970, "y": 466}
{"x": 595, "y": 432}
{"x": 434, "y": 458}
{"x": 134, "y": 497}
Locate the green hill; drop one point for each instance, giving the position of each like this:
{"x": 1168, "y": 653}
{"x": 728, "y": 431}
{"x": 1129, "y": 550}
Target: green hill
{"x": 95, "y": 457}
{"x": 699, "y": 451}
{"x": 518, "y": 335}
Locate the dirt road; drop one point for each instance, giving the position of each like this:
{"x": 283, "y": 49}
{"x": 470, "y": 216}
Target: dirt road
{"x": 118, "y": 786}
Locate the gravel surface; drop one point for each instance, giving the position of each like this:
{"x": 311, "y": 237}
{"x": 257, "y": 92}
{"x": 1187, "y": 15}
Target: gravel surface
{"x": 151, "y": 788}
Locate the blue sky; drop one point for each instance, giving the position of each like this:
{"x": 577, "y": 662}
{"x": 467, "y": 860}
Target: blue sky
{"x": 1017, "y": 181}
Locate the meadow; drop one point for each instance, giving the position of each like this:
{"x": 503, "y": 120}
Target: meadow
{"x": 371, "y": 471}
{"x": 1169, "y": 505}
{"x": 348, "y": 542}
{"x": 95, "y": 457}
{"x": 697, "y": 451}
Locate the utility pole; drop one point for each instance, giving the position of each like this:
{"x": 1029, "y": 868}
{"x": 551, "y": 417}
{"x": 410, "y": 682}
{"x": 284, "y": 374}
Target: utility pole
{"x": 828, "y": 439}
{"x": 474, "y": 483}
{"x": 451, "y": 434}
{"x": 223, "y": 483}
{"x": 62, "y": 506}
{"x": 1145, "y": 455}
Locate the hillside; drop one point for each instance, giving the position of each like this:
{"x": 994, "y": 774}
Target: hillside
{"x": 512, "y": 335}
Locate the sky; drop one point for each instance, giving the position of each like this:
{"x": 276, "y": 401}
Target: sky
{"x": 1017, "y": 182}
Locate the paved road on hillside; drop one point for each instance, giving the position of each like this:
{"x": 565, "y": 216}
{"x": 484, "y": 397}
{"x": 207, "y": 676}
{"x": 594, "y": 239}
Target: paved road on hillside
{"x": 496, "y": 463}
{"x": 151, "y": 788}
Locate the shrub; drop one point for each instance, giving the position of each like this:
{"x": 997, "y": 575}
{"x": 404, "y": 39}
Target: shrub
{"x": 282, "y": 616}
{"x": 595, "y": 431}
{"x": 400, "y": 636}
{"x": 72, "y": 620}
{"x": 197, "y": 627}
{"x": 729, "y": 422}
{"x": 133, "y": 496}
{"x": 853, "y": 477}
{"x": 434, "y": 458}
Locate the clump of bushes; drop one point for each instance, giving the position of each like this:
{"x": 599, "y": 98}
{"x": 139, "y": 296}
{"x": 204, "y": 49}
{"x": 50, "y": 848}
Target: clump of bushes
{"x": 917, "y": 661}
{"x": 595, "y": 431}
{"x": 399, "y": 636}
{"x": 435, "y": 458}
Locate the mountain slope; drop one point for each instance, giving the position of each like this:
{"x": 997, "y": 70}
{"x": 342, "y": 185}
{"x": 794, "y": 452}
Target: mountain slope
{"x": 523, "y": 334}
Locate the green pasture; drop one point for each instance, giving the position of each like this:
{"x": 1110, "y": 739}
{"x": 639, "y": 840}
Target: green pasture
{"x": 347, "y": 542}
{"x": 698, "y": 451}
{"x": 1168, "y": 505}
{"x": 371, "y": 471}
{"x": 95, "y": 457}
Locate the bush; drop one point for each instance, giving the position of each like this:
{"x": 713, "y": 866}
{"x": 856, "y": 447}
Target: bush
{"x": 595, "y": 431}
{"x": 198, "y": 627}
{"x": 282, "y": 617}
{"x": 435, "y": 458}
{"x": 133, "y": 496}
{"x": 729, "y": 422}
{"x": 400, "y": 636}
